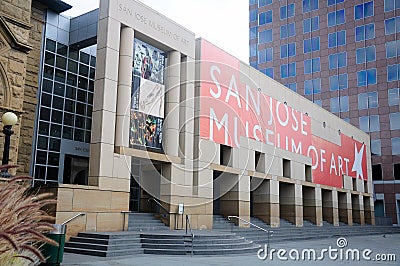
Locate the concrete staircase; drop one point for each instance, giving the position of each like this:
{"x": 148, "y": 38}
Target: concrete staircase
{"x": 105, "y": 244}
{"x": 288, "y": 232}
{"x": 146, "y": 234}
{"x": 145, "y": 222}
{"x": 204, "y": 243}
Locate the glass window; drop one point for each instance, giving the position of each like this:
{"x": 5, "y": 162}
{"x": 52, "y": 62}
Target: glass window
{"x": 264, "y": 2}
{"x": 265, "y": 36}
{"x": 368, "y": 100}
{"x": 337, "y": 39}
{"x": 288, "y": 30}
{"x": 269, "y": 72}
{"x": 312, "y": 86}
{"x": 336, "y": 18}
{"x": 392, "y": 25}
{"x": 365, "y": 32}
{"x": 394, "y": 96}
{"x": 394, "y": 121}
{"x": 310, "y": 24}
{"x": 265, "y": 55}
{"x": 287, "y": 11}
{"x": 395, "y": 146}
{"x": 49, "y": 58}
{"x": 312, "y": 65}
{"x": 292, "y": 86}
{"x": 337, "y": 60}
{"x": 288, "y": 50}
{"x": 50, "y": 45}
{"x": 253, "y": 64}
{"x": 334, "y": 2}
{"x": 376, "y": 147}
{"x": 338, "y": 82}
{"x": 391, "y": 5}
{"x": 340, "y": 104}
{"x": 369, "y": 123}
{"x": 393, "y": 49}
{"x": 265, "y": 17}
{"x": 366, "y": 54}
{"x": 253, "y": 33}
{"x": 253, "y": 49}
{"x": 311, "y": 45}
{"x": 364, "y": 10}
{"x": 253, "y": 15}
{"x": 318, "y": 102}
{"x": 393, "y": 72}
{"x": 253, "y": 2}
{"x": 288, "y": 70}
{"x": 309, "y": 5}
{"x": 366, "y": 77}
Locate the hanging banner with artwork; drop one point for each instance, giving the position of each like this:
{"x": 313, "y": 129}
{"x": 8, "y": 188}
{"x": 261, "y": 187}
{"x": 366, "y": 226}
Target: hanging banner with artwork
{"x": 147, "y": 107}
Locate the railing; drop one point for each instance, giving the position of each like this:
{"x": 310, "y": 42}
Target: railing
{"x": 268, "y": 231}
{"x": 191, "y": 233}
{"x": 162, "y": 207}
{"x": 73, "y": 218}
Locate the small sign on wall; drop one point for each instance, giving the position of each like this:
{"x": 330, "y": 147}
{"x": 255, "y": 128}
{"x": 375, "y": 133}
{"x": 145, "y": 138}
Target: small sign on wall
{"x": 180, "y": 208}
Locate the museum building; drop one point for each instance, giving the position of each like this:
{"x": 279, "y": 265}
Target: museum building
{"x": 135, "y": 114}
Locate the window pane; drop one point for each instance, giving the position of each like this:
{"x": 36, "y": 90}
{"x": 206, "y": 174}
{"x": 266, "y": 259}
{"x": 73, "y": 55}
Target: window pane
{"x": 393, "y": 96}
{"x": 395, "y": 146}
{"x": 374, "y": 123}
{"x": 376, "y": 147}
{"x": 395, "y": 121}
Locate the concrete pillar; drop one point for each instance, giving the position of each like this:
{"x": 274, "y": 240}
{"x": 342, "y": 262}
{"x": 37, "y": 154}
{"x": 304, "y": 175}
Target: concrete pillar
{"x": 318, "y": 206}
{"x": 265, "y": 202}
{"x": 235, "y": 196}
{"x": 357, "y": 209}
{"x": 312, "y": 205}
{"x": 124, "y": 87}
{"x": 298, "y": 201}
{"x": 172, "y": 99}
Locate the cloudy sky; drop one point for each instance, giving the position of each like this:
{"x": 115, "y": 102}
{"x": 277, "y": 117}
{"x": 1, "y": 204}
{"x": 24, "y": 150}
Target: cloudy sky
{"x": 222, "y": 22}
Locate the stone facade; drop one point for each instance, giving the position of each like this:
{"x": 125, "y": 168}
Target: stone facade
{"x": 21, "y": 25}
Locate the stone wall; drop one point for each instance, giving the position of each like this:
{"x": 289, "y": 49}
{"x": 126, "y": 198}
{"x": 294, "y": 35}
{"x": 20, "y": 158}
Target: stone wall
{"x": 21, "y": 24}
{"x": 31, "y": 88}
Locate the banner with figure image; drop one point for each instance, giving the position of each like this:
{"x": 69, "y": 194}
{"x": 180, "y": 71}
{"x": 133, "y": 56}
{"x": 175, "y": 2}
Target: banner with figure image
{"x": 147, "y": 106}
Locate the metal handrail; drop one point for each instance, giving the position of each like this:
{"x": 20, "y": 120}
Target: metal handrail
{"x": 159, "y": 204}
{"x": 73, "y": 217}
{"x": 191, "y": 233}
{"x": 268, "y": 231}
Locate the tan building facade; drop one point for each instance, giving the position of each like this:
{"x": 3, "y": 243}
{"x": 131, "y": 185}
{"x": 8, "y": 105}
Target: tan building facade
{"x": 182, "y": 122}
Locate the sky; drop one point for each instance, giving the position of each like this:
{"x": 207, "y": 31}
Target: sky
{"x": 222, "y": 22}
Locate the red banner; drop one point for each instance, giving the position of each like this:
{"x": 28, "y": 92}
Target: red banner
{"x": 231, "y": 109}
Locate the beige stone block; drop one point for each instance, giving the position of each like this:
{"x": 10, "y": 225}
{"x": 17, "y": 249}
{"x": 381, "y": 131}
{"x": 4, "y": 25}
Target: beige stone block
{"x": 111, "y": 36}
{"x": 64, "y": 200}
{"x": 101, "y": 129}
{"x": 114, "y": 184}
{"x": 105, "y": 95}
{"x": 91, "y": 200}
{"x": 209, "y": 151}
{"x": 119, "y": 201}
{"x": 110, "y": 222}
{"x": 121, "y": 166}
{"x": 109, "y": 71}
{"x": 101, "y": 159}
{"x": 91, "y": 222}
{"x": 204, "y": 222}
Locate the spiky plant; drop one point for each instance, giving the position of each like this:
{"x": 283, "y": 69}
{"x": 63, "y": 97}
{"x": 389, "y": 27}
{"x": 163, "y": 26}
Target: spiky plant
{"x": 23, "y": 221}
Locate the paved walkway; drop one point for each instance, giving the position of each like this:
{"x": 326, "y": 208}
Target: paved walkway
{"x": 378, "y": 244}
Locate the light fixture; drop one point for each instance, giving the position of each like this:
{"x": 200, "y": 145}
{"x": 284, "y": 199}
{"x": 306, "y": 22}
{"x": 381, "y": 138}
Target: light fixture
{"x": 8, "y": 119}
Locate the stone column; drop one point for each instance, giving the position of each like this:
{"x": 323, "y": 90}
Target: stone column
{"x": 318, "y": 206}
{"x": 298, "y": 201}
{"x": 172, "y": 99}
{"x": 124, "y": 87}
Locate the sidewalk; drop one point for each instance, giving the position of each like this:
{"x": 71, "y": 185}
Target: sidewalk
{"x": 390, "y": 244}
